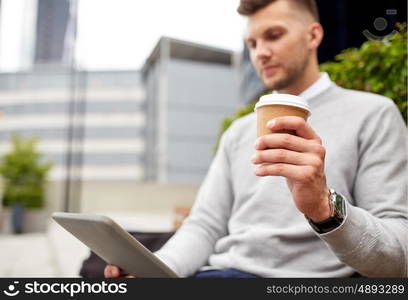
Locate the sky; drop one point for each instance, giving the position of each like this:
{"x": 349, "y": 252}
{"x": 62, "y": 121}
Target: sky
{"x": 120, "y": 34}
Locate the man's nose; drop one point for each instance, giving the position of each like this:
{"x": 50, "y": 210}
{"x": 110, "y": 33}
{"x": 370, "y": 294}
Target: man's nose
{"x": 262, "y": 51}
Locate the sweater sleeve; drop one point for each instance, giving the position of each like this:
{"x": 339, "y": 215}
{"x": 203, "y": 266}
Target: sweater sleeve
{"x": 193, "y": 243}
{"x": 373, "y": 239}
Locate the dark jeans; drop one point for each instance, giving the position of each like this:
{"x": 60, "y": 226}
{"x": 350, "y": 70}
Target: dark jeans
{"x": 225, "y": 273}
{"x": 234, "y": 273}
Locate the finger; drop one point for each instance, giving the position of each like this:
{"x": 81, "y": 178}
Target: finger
{"x": 297, "y": 173}
{"x": 284, "y": 156}
{"x": 111, "y": 271}
{"x": 299, "y": 125}
{"x": 107, "y": 272}
{"x": 285, "y": 141}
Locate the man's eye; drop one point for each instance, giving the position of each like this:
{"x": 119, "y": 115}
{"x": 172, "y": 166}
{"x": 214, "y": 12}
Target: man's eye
{"x": 275, "y": 36}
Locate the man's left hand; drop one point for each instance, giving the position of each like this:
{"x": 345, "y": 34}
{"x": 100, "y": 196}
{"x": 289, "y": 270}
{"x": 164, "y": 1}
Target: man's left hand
{"x": 300, "y": 159}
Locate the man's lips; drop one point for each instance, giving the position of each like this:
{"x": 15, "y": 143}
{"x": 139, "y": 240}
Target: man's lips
{"x": 269, "y": 70}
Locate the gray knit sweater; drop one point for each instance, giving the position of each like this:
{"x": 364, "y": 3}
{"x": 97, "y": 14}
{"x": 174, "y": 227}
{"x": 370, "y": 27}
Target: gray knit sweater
{"x": 250, "y": 223}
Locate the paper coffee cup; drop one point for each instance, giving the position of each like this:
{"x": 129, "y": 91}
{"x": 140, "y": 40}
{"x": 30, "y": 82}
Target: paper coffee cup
{"x": 277, "y": 105}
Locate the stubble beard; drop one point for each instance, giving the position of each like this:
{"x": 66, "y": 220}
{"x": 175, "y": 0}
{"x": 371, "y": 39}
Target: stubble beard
{"x": 291, "y": 74}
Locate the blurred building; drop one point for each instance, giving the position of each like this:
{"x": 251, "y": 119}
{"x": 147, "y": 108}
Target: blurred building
{"x": 107, "y": 131}
{"x": 51, "y": 26}
{"x": 159, "y": 124}
{"x": 108, "y": 122}
{"x": 38, "y": 36}
{"x": 190, "y": 88}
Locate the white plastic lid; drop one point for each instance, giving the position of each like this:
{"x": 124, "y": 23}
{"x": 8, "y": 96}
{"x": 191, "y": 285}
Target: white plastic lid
{"x": 283, "y": 99}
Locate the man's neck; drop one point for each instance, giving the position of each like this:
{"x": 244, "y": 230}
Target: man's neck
{"x": 310, "y": 76}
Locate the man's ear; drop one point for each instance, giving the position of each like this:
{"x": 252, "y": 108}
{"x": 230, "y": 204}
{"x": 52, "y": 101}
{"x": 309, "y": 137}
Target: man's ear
{"x": 315, "y": 35}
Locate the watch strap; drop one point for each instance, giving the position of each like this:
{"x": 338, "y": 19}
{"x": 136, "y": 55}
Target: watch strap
{"x": 338, "y": 213}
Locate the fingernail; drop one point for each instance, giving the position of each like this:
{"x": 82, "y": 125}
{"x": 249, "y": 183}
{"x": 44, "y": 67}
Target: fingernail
{"x": 253, "y": 158}
{"x": 258, "y": 170}
{"x": 256, "y": 144}
{"x": 271, "y": 123}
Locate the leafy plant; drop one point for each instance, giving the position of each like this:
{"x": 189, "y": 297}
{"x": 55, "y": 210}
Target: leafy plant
{"x": 23, "y": 173}
{"x": 377, "y": 66}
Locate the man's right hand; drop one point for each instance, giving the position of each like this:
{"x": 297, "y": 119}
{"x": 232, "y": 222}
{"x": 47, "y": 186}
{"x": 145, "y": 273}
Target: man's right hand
{"x": 112, "y": 271}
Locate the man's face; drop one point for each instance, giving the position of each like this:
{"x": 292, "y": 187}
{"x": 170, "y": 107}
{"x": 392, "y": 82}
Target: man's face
{"x": 277, "y": 38}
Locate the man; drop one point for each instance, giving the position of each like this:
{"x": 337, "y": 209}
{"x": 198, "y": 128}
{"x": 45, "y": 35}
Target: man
{"x": 330, "y": 201}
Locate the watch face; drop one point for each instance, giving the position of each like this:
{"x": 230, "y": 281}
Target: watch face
{"x": 339, "y": 205}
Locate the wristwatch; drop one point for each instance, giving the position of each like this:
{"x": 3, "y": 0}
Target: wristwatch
{"x": 337, "y": 214}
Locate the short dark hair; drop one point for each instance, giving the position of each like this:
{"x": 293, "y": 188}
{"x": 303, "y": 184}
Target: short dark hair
{"x": 249, "y": 7}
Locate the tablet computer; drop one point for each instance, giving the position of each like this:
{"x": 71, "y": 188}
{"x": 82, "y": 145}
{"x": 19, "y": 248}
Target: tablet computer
{"x": 113, "y": 244}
